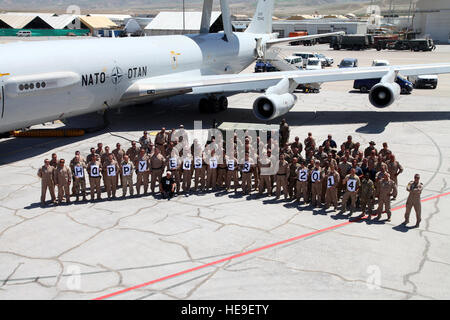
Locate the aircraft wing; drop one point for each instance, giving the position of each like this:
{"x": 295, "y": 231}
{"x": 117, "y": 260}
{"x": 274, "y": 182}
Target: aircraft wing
{"x": 309, "y": 37}
{"x": 176, "y": 84}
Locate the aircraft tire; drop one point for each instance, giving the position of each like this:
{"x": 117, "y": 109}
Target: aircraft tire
{"x": 203, "y": 105}
{"x": 214, "y": 106}
{"x": 223, "y": 103}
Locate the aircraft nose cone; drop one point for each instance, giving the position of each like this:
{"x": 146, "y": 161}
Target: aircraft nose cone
{"x": 382, "y": 95}
{"x": 266, "y": 107}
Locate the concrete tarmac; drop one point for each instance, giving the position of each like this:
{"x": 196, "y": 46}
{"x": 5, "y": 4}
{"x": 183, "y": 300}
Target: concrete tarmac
{"x": 88, "y": 250}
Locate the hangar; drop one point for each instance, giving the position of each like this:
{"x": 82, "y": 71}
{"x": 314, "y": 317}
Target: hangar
{"x": 23, "y": 22}
{"x": 171, "y": 22}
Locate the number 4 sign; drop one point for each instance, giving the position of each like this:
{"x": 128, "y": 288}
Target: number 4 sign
{"x": 351, "y": 185}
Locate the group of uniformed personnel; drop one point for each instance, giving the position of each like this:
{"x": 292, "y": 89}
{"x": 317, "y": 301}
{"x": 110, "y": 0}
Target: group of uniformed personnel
{"x": 323, "y": 176}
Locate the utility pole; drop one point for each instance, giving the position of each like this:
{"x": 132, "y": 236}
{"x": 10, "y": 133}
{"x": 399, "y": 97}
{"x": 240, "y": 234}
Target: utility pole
{"x": 184, "y": 19}
{"x": 390, "y": 11}
{"x": 409, "y": 14}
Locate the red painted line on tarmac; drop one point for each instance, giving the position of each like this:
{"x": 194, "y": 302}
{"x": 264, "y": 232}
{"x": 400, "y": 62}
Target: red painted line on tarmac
{"x": 249, "y": 252}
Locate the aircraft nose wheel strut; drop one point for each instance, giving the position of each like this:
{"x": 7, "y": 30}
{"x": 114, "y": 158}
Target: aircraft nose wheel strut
{"x": 213, "y": 104}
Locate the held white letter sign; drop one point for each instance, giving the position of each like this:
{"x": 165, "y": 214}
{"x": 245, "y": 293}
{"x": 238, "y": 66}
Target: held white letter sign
{"x": 230, "y": 165}
{"x": 303, "y": 175}
{"x": 111, "y": 170}
{"x": 246, "y": 167}
{"x": 187, "y": 164}
{"x": 351, "y": 185}
{"x": 142, "y": 166}
{"x": 213, "y": 163}
{"x": 79, "y": 171}
{"x": 173, "y": 163}
{"x": 315, "y": 176}
{"x": 95, "y": 171}
{"x": 126, "y": 170}
{"x": 330, "y": 181}
{"x": 198, "y": 163}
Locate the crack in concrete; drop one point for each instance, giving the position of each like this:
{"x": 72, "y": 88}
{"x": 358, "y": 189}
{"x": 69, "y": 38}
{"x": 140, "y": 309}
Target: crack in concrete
{"x": 209, "y": 274}
{"x": 185, "y": 248}
{"x": 407, "y": 277}
{"x": 157, "y": 233}
{"x": 339, "y": 277}
{"x": 440, "y": 262}
{"x": 223, "y": 224}
{"x": 164, "y": 291}
{"x": 11, "y": 274}
{"x": 24, "y": 220}
{"x": 212, "y": 274}
{"x": 201, "y": 259}
{"x": 161, "y": 220}
{"x": 284, "y": 223}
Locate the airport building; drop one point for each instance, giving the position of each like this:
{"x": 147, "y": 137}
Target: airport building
{"x": 172, "y": 22}
{"x": 97, "y": 24}
{"x": 9, "y": 21}
{"x": 432, "y": 18}
{"x": 284, "y": 27}
{"x": 51, "y": 24}
{"x": 315, "y": 26}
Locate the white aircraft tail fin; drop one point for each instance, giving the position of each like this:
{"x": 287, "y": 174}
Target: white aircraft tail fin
{"x": 262, "y": 21}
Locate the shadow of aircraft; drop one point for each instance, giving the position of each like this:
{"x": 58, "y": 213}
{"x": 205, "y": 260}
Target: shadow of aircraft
{"x": 183, "y": 110}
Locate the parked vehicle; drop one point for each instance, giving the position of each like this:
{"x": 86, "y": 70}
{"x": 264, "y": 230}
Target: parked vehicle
{"x": 424, "y": 81}
{"x": 309, "y": 87}
{"x": 326, "y": 61}
{"x": 305, "y": 56}
{"x": 364, "y": 85}
{"x": 310, "y": 42}
{"x": 413, "y": 45}
{"x": 393, "y": 45}
{"x": 262, "y": 66}
{"x": 313, "y": 64}
{"x": 352, "y": 42}
{"x": 380, "y": 63}
{"x": 24, "y": 33}
{"x": 348, "y": 63}
{"x": 385, "y": 37}
{"x": 422, "y": 45}
{"x": 295, "y": 60}
{"x": 297, "y": 34}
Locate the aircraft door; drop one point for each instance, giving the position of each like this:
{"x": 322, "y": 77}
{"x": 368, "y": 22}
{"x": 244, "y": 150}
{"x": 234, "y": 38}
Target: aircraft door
{"x": 2, "y": 101}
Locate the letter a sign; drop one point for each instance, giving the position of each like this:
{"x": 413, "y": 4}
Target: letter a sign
{"x": 187, "y": 164}
{"x": 95, "y": 171}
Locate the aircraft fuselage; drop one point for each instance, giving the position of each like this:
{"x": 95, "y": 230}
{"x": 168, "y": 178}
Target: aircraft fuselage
{"x": 47, "y": 80}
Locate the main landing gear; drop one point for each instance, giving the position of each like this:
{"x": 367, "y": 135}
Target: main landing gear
{"x": 213, "y": 104}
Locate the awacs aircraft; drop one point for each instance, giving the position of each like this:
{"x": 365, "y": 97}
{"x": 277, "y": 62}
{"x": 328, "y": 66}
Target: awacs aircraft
{"x": 49, "y": 80}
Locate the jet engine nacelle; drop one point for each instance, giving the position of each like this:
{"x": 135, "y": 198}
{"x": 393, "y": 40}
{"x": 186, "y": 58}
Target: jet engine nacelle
{"x": 277, "y": 101}
{"x": 383, "y": 94}
{"x": 271, "y": 106}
